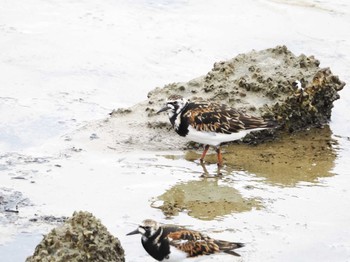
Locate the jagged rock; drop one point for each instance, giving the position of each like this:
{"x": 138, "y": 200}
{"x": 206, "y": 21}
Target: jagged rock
{"x": 263, "y": 82}
{"x": 258, "y": 83}
{"x": 81, "y": 238}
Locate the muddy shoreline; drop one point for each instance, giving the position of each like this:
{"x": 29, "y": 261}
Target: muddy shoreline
{"x": 280, "y": 158}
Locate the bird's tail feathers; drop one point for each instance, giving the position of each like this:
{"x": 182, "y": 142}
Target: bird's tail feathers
{"x": 228, "y": 247}
{"x": 231, "y": 252}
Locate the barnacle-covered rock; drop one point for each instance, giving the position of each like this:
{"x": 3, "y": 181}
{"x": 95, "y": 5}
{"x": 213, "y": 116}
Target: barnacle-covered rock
{"x": 81, "y": 238}
{"x": 273, "y": 82}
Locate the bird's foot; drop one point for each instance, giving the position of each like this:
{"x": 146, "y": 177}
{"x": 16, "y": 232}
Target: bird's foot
{"x": 219, "y": 169}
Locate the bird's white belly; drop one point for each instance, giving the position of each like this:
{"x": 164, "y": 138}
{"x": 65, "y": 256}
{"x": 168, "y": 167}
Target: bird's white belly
{"x": 215, "y": 139}
{"x": 175, "y": 255}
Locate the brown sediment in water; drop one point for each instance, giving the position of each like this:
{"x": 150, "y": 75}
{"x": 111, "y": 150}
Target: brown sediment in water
{"x": 205, "y": 199}
{"x": 305, "y": 156}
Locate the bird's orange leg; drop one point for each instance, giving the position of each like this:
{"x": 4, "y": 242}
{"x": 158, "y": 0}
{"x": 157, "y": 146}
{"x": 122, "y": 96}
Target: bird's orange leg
{"x": 206, "y": 148}
{"x": 218, "y": 151}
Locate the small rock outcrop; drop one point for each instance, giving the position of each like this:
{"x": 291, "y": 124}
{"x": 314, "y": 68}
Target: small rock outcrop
{"x": 81, "y": 238}
{"x": 273, "y": 83}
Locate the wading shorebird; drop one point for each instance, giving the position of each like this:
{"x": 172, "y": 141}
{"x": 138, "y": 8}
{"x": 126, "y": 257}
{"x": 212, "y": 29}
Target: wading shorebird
{"x": 176, "y": 243}
{"x": 211, "y": 124}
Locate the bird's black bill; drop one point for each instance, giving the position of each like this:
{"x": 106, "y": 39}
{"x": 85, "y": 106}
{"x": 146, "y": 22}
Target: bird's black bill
{"x": 133, "y": 232}
{"x": 165, "y": 108}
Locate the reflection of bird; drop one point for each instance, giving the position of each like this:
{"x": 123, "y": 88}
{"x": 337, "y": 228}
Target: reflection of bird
{"x": 176, "y": 242}
{"x": 210, "y": 123}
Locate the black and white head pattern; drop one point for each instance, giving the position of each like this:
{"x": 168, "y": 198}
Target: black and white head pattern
{"x": 148, "y": 228}
{"x": 175, "y": 104}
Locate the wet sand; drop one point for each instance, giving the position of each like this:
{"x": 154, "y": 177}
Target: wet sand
{"x": 269, "y": 195}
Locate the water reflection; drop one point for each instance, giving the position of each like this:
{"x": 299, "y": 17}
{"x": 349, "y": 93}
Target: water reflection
{"x": 293, "y": 158}
{"x": 205, "y": 199}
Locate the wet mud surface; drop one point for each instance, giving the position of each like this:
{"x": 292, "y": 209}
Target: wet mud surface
{"x": 289, "y": 159}
{"x": 270, "y": 182}
{"x": 304, "y": 157}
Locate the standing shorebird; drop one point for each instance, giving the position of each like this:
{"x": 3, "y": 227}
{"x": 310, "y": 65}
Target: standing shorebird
{"x": 175, "y": 243}
{"x": 211, "y": 124}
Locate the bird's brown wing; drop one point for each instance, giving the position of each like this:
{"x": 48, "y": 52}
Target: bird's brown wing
{"x": 192, "y": 242}
{"x": 217, "y": 118}
{"x": 252, "y": 122}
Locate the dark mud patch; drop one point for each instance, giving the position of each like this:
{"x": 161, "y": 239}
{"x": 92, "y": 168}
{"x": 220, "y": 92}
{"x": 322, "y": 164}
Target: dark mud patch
{"x": 21, "y": 166}
{"x": 9, "y": 160}
{"x": 11, "y": 202}
{"x": 49, "y": 219}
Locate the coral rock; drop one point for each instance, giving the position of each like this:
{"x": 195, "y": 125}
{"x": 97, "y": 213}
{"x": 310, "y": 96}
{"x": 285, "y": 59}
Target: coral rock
{"x": 81, "y": 238}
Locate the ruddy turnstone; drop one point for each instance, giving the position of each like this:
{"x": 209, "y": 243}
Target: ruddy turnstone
{"x": 211, "y": 124}
{"x": 175, "y": 243}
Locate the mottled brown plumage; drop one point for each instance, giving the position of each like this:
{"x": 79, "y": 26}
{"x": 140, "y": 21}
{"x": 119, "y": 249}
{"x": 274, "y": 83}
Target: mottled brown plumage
{"x": 195, "y": 243}
{"x": 212, "y": 117}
